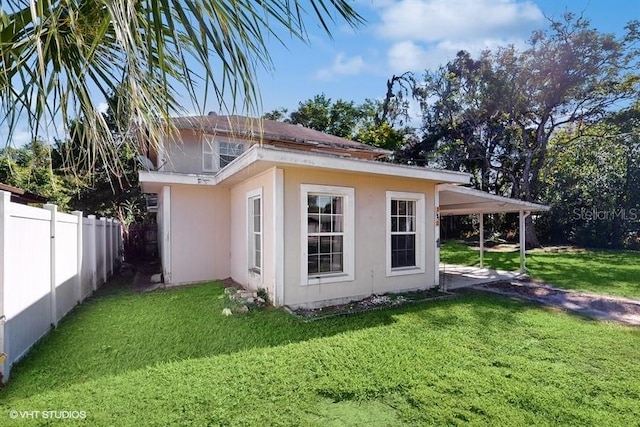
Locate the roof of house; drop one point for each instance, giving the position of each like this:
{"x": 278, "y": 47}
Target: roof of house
{"x": 19, "y": 195}
{"x": 273, "y": 131}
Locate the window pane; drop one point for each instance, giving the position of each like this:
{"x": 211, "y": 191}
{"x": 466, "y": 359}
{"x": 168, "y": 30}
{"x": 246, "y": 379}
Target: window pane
{"x": 207, "y": 162}
{"x": 258, "y": 260}
{"x": 325, "y": 264}
{"x": 313, "y": 264}
{"x": 313, "y": 245}
{"x": 325, "y": 223}
{"x": 411, "y": 207}
{"x": 402, "y": 207}
{"x": 337, "y": 224}
{"x": 313, "y": 223}
{"x": 394, "y": 223}
{"x": 394, "y": 207}
{"x": 336, "y": 262}
{"x": 403, "y": 253}
{"x": 325, "y": 204}
{"x": 325, "y": 244}
{"x": 336, "y": 244}
{"x": 312, "y": 204}
{"x": 338, "y": 208}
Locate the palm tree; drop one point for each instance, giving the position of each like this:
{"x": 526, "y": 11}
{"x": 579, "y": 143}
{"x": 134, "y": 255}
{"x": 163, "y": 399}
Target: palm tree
{"x": 55, "y": 55}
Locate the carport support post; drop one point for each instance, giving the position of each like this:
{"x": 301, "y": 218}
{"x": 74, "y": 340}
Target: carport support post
{"x": 523, "y": 243}
{"x": 481, "y": 220}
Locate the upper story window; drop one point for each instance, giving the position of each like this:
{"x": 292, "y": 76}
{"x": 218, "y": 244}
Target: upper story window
{"x": 216, "y": 153}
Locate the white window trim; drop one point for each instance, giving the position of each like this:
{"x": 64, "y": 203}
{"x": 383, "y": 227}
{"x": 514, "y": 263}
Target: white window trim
{"x": 250, "y": 255}
{"x": 211, "y": 147}
{"x": 419, "y": 268}
{"x": 348, "y": 244}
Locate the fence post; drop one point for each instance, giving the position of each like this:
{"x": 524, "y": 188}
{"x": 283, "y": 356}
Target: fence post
{"x": 110, "y": 221}
{"x": 5, "y": 200}
{"x": 52, "y": 261}
{"x": 103, "y": 221}
{"x": 92, "y": 252}
{"x": 80, "y": 249}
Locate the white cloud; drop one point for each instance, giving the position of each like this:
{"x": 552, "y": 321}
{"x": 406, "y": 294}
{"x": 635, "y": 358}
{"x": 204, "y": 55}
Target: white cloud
{"x": 103, "y": 107}
{"x": 342, "y": 66}
{"x": 433, "y": 20}
{"x": 428, "y": 33}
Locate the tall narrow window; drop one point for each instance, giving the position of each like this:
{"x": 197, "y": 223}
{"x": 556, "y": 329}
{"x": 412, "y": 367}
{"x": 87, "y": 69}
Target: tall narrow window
{"x": 326, "y": 233}
{"x": 328, "y": 229}
{"x": 405, "y": 233}
{"x": 208, "y": 155}
{"x": 255, "y": 231}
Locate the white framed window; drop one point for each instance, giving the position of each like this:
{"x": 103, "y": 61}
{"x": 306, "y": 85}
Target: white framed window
{"x": 405, "y": 233}
{"x": 328, "y": 229}
{"x": 218, "y": 153}
{"x": 228, "y": 152}
{"x": 208, "y": 155}
{"x": 254, "y": 230}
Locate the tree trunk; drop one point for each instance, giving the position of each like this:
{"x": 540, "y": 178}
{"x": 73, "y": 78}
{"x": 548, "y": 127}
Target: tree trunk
{"x": 531, "y": 238}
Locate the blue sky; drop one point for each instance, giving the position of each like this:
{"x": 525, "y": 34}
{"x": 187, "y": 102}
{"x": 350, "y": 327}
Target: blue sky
{"x": 405, "y": 35}
{"x": 412, "y": 35}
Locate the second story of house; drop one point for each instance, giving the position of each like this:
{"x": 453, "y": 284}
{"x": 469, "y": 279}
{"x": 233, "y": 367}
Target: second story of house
{"x": 207, "y": 144}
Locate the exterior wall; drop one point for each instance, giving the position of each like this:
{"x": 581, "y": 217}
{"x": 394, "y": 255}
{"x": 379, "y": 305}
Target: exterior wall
{"x": 184, "y": 154}
{"x": 200, "y": 231}
{"x": 239, "y": 238}
{"x": 370, "y": 237}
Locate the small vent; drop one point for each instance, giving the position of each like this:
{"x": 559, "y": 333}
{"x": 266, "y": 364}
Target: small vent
{"x": 152, "y": 202}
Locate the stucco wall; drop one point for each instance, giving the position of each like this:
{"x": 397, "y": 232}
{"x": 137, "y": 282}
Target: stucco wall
{"x": 239, "y": 229}
{"x": 200, "y": 231}
{"x": 370, "y": 237}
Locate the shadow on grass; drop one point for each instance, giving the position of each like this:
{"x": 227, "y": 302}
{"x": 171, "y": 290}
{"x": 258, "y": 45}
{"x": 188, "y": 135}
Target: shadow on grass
{"x": 117, "y": 331}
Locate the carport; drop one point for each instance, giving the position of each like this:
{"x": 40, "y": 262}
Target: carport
{"x": 458, "y": 200}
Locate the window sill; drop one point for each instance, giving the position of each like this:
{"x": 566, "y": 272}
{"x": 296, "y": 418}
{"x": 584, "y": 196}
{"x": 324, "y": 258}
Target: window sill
{"x": 329, "y": 278}
{"x": 405, "y": 271}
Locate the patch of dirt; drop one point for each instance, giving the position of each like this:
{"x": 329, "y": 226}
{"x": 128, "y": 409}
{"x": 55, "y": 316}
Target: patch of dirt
{"x": 373, "y": 302}
{"x": 619, "y": 309}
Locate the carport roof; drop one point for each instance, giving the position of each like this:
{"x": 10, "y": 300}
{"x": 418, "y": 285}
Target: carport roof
{"x": 458, "y": 200}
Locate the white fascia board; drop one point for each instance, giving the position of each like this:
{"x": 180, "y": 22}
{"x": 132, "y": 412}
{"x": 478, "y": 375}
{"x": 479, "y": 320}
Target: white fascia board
{"x": 152, "y": 177}
{"x": 315, "y": 160}
{"x": 490, "y": 203}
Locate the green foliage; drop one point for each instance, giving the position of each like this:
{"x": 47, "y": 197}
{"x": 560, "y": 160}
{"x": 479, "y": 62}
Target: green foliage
{"x": 599, "y": 271}
{"x": 592, "y": 180}
{"x": 175, "y": 360}
{"x": 30, "y": 168}
{"x": 347, "y": 120}
{"x": 56, "y": 56}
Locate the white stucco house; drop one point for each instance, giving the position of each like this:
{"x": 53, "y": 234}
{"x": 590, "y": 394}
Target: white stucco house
{"x": 312, "y": 218}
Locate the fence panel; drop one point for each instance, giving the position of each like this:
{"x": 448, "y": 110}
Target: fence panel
{"x": 27, "y": 299}
{"x": 66, "y": 241}
{"x": 49, "y": 262}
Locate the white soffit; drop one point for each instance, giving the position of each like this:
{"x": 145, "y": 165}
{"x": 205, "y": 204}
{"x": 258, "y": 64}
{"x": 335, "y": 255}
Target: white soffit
{"x": 457, "y": 200}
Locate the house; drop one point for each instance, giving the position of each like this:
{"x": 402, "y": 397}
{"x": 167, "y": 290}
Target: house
{"x": 312, "y": 218}
{"x": 18, "y": 195}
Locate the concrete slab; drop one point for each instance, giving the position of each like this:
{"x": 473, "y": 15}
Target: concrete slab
{"x": 461, "y": 276}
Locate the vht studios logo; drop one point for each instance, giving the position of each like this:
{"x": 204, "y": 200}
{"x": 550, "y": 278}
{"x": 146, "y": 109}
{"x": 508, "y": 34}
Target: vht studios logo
{"x": 594, "y": 214}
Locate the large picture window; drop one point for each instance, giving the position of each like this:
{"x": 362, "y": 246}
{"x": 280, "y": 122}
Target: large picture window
{"x": 328, "y": 233}
{"x": 405, "y": 233}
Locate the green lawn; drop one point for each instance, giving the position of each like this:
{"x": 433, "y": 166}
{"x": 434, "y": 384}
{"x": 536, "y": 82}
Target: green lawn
{"x": 600, "y": 271}
{"x": 171, "y": 358}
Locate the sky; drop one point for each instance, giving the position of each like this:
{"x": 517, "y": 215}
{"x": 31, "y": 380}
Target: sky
{"x": 413, "y": 35}
{"x": 404, "y": 35}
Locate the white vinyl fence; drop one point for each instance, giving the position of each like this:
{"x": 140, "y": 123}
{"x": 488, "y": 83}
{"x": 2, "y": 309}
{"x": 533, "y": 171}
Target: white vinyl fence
{"x": 49, "y": 262}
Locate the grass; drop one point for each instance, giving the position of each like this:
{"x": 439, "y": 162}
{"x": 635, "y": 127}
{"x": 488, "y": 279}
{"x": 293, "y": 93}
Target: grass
{"x": 171, "y": 358}
{"x": 600, "y": 271}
